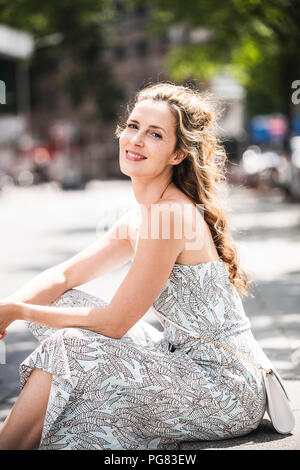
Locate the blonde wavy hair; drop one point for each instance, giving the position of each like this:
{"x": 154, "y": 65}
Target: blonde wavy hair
{"x": 201, "y": 175}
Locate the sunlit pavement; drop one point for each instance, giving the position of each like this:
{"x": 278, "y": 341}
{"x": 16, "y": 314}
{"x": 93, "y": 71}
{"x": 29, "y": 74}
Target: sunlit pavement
{"x": 43, "y": 225}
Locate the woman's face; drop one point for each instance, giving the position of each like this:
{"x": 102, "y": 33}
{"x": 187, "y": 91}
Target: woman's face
{"x": 146, "y": 145}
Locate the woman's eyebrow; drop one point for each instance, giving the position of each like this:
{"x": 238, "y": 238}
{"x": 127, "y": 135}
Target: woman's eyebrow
{"x": 150, "y": 125}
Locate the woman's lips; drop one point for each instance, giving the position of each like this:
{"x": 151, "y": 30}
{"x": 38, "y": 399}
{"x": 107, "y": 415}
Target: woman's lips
{"x": 136, "y": 158}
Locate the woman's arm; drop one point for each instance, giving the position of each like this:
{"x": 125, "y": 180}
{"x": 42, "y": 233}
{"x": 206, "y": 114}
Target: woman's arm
{"x": 153, "y": 262}
{"x": 100, "y": 257}
{"x": 43, "y": 288}
{"x": 89, "y": 318}
{"x": 105, "y": 254}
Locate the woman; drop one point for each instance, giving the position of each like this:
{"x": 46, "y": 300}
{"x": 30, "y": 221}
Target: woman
{"x": 102, "y": 378}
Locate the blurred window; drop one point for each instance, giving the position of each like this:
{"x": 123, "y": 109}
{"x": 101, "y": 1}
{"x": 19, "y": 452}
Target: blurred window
{"x": 142, "y": 48}
{"x": 120, "y": 52}
{"x": 8, "y": 75}
{"x": 140, "y": 11}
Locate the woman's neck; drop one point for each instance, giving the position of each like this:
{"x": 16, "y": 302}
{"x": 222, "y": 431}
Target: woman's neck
{"x": 150, "y": 192}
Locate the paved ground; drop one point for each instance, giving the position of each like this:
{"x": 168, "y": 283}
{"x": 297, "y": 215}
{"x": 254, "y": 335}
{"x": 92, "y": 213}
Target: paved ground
{"x": 43, "y": 226}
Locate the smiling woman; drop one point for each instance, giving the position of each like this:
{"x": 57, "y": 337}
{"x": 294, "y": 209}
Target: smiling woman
{"x": 139, "y": 142}
{"x": 102, "y": 377}
{"x": 185, "y": 154}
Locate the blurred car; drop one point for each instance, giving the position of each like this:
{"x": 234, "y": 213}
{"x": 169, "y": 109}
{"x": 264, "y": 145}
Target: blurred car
{"x": 41, "y": 162}
{"x": 289, "y": 171}
{"x": 260, "y": 168}
{"x": 32, "y": 166}
{"x": 5, "y": 179}
{"x": 295, "y": 169}
{"x": 67, "y": 173}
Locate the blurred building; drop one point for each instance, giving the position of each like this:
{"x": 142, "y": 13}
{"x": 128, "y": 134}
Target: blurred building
{"x": 232, "y": 123}
{"x": 136, "y": 57}
{"x": 15, "y": 48}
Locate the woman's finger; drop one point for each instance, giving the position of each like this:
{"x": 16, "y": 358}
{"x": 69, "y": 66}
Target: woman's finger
{"x": 3, "y": 334}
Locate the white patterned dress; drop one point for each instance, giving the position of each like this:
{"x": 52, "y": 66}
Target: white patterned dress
{"x": 151, "y": 389}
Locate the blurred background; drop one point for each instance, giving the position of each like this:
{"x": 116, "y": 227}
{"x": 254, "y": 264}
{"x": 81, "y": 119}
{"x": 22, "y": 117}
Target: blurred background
{"x": 69, "y": 68}
{"x": 67, "y": 71}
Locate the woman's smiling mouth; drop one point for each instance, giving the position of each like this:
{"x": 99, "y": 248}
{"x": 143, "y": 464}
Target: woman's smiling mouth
{"x": 135, "y": 157}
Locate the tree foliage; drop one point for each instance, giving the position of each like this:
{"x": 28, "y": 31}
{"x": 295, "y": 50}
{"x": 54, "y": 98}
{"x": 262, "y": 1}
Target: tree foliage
{"x": 256, "y": 41}
{"x": 83, "y": 26}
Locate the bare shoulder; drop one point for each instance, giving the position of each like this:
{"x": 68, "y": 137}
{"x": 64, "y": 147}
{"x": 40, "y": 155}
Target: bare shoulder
{"x": 198, "y": 242}
{"x": 133, "y": 215}
{"x": 187, "y": 220}
{"x": 166, "y": 207}
{"x": 181, "y": 210}
{"x": 130, "y": 224}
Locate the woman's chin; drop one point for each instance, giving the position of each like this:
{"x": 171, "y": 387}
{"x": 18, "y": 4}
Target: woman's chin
{"x": 125, "y": 171}
{"x": 128, "y": 171}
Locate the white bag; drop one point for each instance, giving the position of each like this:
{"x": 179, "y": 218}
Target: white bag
{"x": 278, "y": 404}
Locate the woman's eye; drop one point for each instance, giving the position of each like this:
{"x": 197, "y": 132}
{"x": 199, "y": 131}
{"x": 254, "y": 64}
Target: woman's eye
{"x": 158, "y": 136}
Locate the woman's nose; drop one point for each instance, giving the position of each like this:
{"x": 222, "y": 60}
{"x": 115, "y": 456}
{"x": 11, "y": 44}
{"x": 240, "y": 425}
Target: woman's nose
{"x": 138, "y": 138}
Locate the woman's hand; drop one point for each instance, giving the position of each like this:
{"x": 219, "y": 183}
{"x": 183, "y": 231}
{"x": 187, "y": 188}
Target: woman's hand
{"x": 7, "y": 316}
{"x": 3, "y": 334}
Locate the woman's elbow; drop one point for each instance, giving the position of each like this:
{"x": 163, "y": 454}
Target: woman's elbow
{"x": 102, "y": 323}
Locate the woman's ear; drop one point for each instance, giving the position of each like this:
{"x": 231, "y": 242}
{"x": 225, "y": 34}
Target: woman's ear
{"x": 179, "y": 157}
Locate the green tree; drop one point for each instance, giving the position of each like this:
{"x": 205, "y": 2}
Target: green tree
{"x": 257, "y": 41}
{"x": 72, "y": 32}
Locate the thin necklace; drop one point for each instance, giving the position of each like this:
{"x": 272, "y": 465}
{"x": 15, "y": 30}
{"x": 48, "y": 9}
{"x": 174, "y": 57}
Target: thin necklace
{"x": 160, "y": 198}
{"x": 165, "y": 189}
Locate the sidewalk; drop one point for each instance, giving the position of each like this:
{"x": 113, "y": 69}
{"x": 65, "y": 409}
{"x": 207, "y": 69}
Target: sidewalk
{"x": 268, "y": 236}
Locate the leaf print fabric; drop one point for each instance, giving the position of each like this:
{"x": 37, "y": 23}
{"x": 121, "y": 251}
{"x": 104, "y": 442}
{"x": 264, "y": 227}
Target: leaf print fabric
{"x": 152, "y": 389}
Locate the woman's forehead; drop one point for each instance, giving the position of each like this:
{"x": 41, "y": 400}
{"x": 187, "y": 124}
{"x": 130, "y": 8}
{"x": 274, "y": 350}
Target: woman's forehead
{"x": 153, "y": 112}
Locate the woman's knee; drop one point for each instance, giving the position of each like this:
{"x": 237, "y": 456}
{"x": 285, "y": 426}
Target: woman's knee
{"x": 78, "y": 298}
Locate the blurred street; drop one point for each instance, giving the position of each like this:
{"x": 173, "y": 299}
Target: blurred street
{"x": 44, "y": 225}
{"x": 69, "y": 74}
